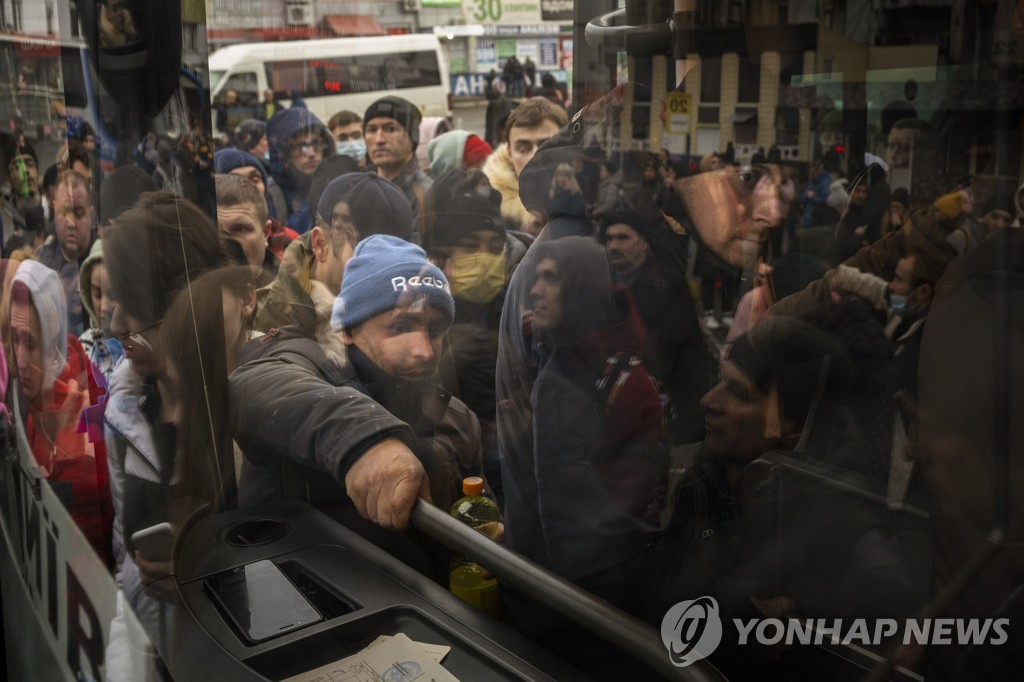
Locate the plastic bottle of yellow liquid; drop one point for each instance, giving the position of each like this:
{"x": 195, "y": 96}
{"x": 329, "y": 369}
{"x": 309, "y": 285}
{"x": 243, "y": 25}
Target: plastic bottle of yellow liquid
{"x": 468, "y": 580}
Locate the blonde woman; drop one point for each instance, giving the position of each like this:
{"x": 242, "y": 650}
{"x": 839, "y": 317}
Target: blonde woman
{"x": 565, "y": 193}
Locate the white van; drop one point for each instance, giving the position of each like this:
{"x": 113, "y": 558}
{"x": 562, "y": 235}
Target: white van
{"x": 338, "y": 73}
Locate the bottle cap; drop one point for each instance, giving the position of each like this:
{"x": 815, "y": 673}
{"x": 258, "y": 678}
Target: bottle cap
{"x": 472, "y": 486}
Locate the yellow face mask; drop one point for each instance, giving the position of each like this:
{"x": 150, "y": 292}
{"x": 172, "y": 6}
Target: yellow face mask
{"x": 478, "y": 277}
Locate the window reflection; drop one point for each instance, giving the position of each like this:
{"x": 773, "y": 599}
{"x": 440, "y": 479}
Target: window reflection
{"x": 720, "y": 302}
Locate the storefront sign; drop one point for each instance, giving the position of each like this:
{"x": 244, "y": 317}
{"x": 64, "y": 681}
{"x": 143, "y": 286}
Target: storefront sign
{"x": 506, "y": 49}
{"x": 468, "y": 84}
{"x": 548, "y": 53}
{"x": 486, "y": 55}
{"x": 503, "y": 11}
{"x": 523, "y": 30}
{"x": 522, "y": 13}
{"x": 679, "y": 106}
{"x": 567, "y": 54}
{"x": 556, "y": 10}
{"x": 527, "y": 48}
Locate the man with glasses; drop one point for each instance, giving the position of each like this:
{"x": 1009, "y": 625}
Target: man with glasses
{"x": 298, "y": 142}
{"x": 391, "y": 127}
{"x": 73, "y": 219}
{"x": 732, "y": 211}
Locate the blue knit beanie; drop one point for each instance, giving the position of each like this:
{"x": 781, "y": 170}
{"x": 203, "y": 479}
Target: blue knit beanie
{"x": 384, "y": 273}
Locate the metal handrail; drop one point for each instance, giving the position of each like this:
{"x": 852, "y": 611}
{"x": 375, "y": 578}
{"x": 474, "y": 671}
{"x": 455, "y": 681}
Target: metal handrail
{"x": 630, "y": 634}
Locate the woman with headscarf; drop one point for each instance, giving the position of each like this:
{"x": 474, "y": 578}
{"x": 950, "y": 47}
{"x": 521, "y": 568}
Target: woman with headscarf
{"x": 59, "y": 386}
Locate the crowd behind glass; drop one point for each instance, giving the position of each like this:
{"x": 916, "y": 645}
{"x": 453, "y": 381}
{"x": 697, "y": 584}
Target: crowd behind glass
{"x": 363, "y": 311}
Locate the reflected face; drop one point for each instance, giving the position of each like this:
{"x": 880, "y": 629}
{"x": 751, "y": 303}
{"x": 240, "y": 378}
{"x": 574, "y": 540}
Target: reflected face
{"x": 897, "y": 213}
{"x": 734, "y": 210}
{"x": 735, "y": 421}
{"x": 89, "y": 142}
{"x": 115, "y": 12}
{"x": 28, "y": 348}
{"x": 902, "y": 282}
{"x": 859, "y": 194}
{"x": 996, "y": 220}
{"x": 99, "y": 290}
{"x": 241, "y": 224}
{"x": 404, "y": 342}
{"x": 523, "y": 142}
{"x": 305, "y": 152}
{"x": 899, "y": 147}
{"x": 387, "y": 142}
{"x": 252, "y": 174}
{"x": 344, "y": 236}
{"x": 546, "y": 295}
{"x": 261, "y": 148}
{"x": 72, "y": 218}
{"x": 31, "y": 176}
{"x": 627, "y": 250}
{"x": 142, "y": 345}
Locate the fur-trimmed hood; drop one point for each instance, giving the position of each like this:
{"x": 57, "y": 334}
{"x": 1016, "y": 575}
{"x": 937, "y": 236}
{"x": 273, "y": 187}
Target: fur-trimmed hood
{"x": 502, "y": 174}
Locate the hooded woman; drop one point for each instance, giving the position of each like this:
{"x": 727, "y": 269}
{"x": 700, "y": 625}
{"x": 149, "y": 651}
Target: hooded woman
{"x": 103, "y": 351}
{"x": 58, "y": 384}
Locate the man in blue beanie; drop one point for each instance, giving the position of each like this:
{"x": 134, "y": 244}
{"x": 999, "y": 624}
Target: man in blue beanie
{"x": 392, "y": 313}
{"x": 394, "y": 308}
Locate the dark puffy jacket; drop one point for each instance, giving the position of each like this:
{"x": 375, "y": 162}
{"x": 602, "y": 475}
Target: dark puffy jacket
{"x": 316, "y": 415}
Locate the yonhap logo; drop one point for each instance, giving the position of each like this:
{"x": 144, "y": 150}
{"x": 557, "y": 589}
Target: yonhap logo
{"x": 691, "y": 630}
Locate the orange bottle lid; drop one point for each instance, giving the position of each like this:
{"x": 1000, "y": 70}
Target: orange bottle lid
{"x": 473, "y": 486}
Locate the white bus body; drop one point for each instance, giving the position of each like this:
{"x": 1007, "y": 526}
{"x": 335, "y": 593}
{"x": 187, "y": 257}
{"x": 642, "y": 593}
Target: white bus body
{"x": 336, "y": 74}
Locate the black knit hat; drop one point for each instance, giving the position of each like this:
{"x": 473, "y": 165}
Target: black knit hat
{"x": 402, "y": 110}
{"x": 465, "y": 214}
{"x": 376, "y": 205}
{"x": 626, "y": 216}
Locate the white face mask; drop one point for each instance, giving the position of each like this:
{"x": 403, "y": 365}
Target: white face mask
{"x": 354, "y": 149}
{"x": 911, "y": 306}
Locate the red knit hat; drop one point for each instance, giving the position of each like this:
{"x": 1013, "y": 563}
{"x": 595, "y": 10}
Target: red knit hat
{"x": 477, "y": 150}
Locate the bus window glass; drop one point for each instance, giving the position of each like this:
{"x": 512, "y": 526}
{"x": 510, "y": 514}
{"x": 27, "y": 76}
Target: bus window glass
{"x": 244, "y": 84}
{"x": 74, "y": 79}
